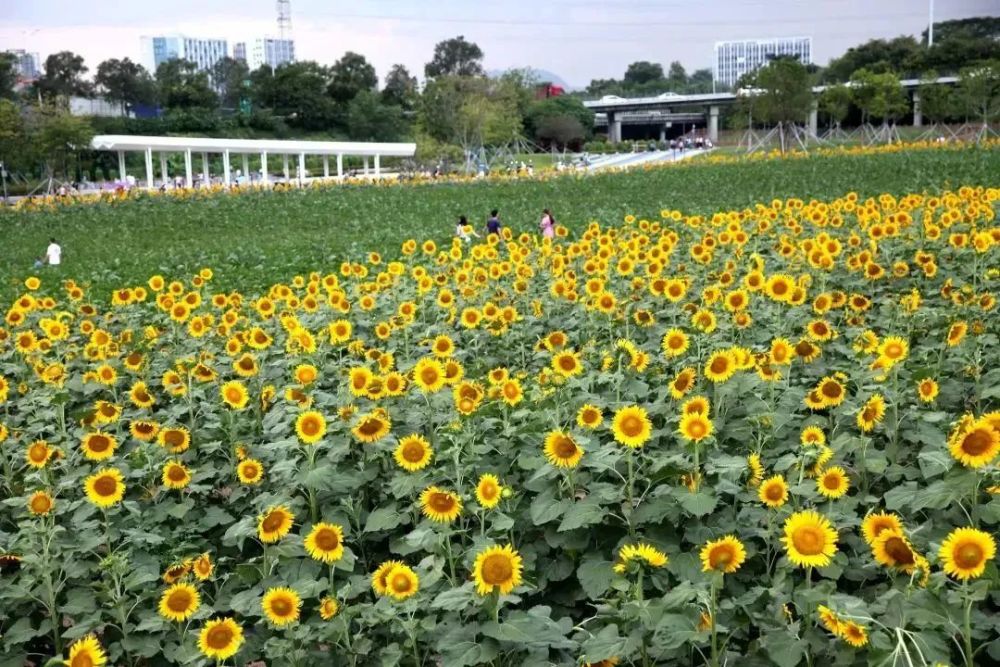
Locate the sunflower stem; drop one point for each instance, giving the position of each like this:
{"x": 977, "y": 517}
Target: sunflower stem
{"x": 712, "y": 612}
{"x": 967, "y": 631}
{"x": 631, "y": 491}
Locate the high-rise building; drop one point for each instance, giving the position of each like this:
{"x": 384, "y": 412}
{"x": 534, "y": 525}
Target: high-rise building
{"x": 734, "y": 59}
{"x": 204, "y": 53}
{"x": 28, "y": 65}
{"x": 270, "y": 51}
{"x": 240, "y": 51}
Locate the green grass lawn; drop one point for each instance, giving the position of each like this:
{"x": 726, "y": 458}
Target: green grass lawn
{"x": 256, "y": 239}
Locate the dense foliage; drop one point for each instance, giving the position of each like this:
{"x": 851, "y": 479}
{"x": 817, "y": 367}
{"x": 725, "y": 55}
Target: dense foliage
{"x": 766, "y": 435}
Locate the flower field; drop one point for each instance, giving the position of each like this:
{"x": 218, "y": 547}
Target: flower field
{"x": 766, "y": 435}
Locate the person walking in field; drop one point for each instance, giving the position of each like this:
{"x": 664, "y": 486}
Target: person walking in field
{"x": 52, "y": 256}
{"x": 548, "y": 224}
{"x": 464, "y": 230}
{"x": 493, "y": 223}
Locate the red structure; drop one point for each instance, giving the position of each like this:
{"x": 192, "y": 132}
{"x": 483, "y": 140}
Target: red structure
{"x": 547, "y": 90}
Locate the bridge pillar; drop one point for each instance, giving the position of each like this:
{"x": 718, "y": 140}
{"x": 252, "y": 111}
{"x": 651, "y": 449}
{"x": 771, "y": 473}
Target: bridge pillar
{"x": 713, "y": 124}
{"x": 188, "y": 175}
{"x": 614, "y": 128}
{"x": 663, "y": 133}
{"x": 918, "y": 114}
{"x": 814, "y": 118}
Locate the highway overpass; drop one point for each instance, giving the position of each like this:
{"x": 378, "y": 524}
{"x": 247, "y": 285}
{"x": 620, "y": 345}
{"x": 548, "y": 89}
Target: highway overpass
{"x": 703, "y": 109}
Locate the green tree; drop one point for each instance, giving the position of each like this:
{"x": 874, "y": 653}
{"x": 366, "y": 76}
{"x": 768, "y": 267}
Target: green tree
{"x": 369, "y": 119}
{"x": 835, "y": 103}
{"x": 13, "y": 144}
{"x": 901, "y": 54}
{"x": 8, "y": 75}
{"x": 349, "y": 76}
{"x": 58, "y": 138}
{"x": 979, "y": 90}
{"x": 561, "y": 131}
{"x": 400, "y": 88}
{"x": 677, "y": 76}
{"x": 563, "y": 106}
{"x": 182, "y": 86}
{"x": 784, "y": 93}
{"x": 643, "y": 72}
{"x": 227, "y": 77}
{"x": 455, "y": 57}
{"x": 296, "y": 92}
{"x": 878, "y": 95}
{"x": 700, "y": 81}
{"x": 937, "y": 102}
{"x": 63, "y": 77}
{"x": 125, "y": 82}
{"x": 439, "y": 106}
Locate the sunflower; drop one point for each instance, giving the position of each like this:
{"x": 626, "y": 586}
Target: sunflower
{"x": 965, "y": 551}
{"x": 695, "y": 427}
{"x": 39, "y": 453}
{"x": 358, "y": 379}
{"x": 488, "y": 491}
{"x": 812, "y": 435}
{"x": 40, "y": 503}
{"x": 105, "y": 487}
{"x": 371, "y": 427}
{"x": 140, "y": 396}
{"x": 810, "y": 540}
{"x": 871, "y": 413}
{"x": 413, "y": 453}
{"x": 781, "y": 352}
{"x": 220, "y": 638}
{"x": 325, "y": 542}
{"x": 831, "y": 392}
{"x": 250, "y": 471}
{"x": 175, "y": 438}
{"x": 720, "y": 366}
{"x": 234, "y": 394}
{"x": 643, "y": 553}
{"x": 274, "y": 524}
{"x": 892, "y": 549}
{"x": 203, "y": 567}
{"x": 927, "y": 390}
{"x": 854, "y": 634}
{"x": 440, "y": 505}
{"x": 179, "y": 602}
{"x": 682, "y": 383}
{"x": 281, "y": 606}
{"x": 589, "y": 416}
{"x": 675, "y": 343}
{"x": 874, "y": 524}
{"x": 773, "y": 491}
{"x": 86, "y": 652}
{"x": 401, "y": 582}
{"x": 175, "y": 475}
{"x": 974, "y": 443}
{"x": 380, "y": 576}
{"x": 98, "y": 446}
{"x": 893, "y": 349}
{"x": 696, "y": 405}
{"x": 310, "y": 426}
{"x": 807, "y": 351}
{"x": 567, "y": 363}
{"x": 723, "y": 555}
{"x": 631, "y": 426}
{"x": 328, "y": 608}
{"x": 833, "y": 483}
{"x": 306, "y": 374}
{"x": 429, "y": 375}
{"x": 144, "y": 431}
{"x": 829, "y": 619}
{"x": 561, "y": 450}
{"x": 956, "y": 332}
{"x": 246, "y": 365}
{"x": 497, "y": 569}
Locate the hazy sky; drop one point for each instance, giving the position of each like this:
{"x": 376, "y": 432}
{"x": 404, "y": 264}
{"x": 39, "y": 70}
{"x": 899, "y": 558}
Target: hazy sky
{"x": 577, "y": 39}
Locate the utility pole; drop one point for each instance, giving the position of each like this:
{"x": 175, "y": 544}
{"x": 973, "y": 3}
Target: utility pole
{"x": 930, "y": 26}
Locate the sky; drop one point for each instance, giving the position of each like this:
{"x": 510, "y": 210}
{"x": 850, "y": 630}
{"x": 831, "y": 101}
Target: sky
{"x": 578, "y": 40}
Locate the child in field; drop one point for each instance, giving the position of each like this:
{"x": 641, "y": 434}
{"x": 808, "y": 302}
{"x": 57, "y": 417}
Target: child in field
{"x": 548, "y": 224}
{"x": 464, "y": 230}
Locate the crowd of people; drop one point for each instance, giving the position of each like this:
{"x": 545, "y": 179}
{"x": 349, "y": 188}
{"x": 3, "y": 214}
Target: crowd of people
{"x": 466, "y": 232}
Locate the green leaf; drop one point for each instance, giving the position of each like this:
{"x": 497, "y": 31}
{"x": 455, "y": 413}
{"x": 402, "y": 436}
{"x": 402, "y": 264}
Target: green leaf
{"x": 784, "y": 649}
{"x": 582, "y": 513}
{"x": 595, "y": 575}
{"x": 383, "y": 518}
{"x": 700, "y": 503}
{"x": 455, "y": 599}
{"x": 545, "y": 508}
{"x": 604, "y": 645}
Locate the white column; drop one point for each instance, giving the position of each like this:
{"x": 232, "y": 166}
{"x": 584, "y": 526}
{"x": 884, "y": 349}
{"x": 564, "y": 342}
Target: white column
{"x": 814, "y": 118}
{"x": 378, "y": 165}
{"x": 121, "y": 165}
{"x": 263, "y": 167}
{"x": 286, "y": 167}
{"x": 225, "y": 168}
{"x": 189, "y": 179}
{"x": 205, "y": 176}
{"x": 366, "y": 165}
{"x": 326, "y": 166}
{"x": 918, "y": 114}
{"x": 163, "y": 167}
{"x": 713, "y": 124}
{"x": 149, "y": 168}
{"x": 340, "y": 166}
{"x": 246, "y": 168}
{"x": 302, "y": 168}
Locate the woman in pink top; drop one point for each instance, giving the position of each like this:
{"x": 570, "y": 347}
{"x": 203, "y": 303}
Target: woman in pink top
{"x": 548, "y": 224}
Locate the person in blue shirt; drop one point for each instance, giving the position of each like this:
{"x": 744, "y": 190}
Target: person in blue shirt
{"x": 493, "y": 223}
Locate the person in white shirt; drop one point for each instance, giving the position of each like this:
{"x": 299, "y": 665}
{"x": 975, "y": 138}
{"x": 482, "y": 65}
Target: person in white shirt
{"x": 464, "y": 230}
{"x": 53, "y": 254}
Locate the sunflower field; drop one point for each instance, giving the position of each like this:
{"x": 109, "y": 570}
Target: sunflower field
{"x": 764, "y": 436}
